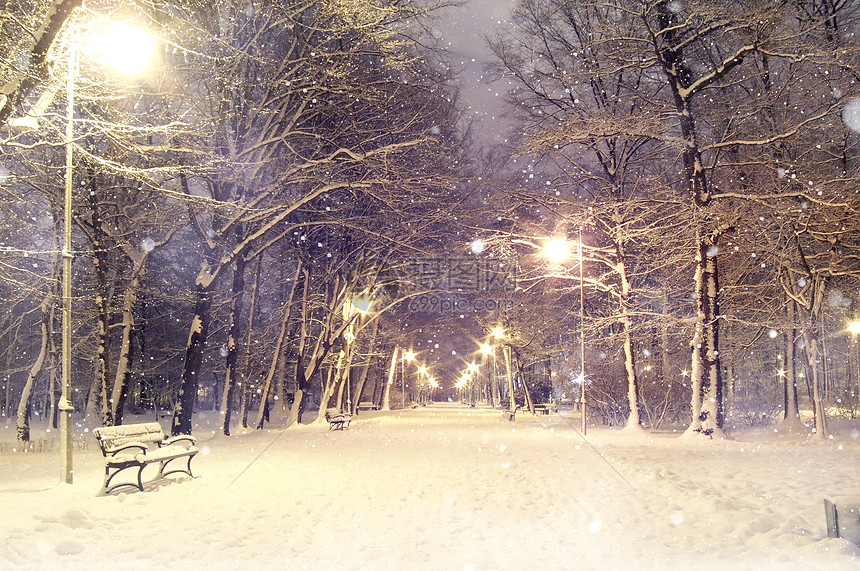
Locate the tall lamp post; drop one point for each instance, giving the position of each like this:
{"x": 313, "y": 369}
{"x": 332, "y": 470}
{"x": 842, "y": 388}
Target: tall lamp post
{"x": 854, "y": 329}
{"x": 558, "y": 251}
{"x": 584, "y": 415}
{"x": 486, "y": 351}
{"x": 127, "y": 50}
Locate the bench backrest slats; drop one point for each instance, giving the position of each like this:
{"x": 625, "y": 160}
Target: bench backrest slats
{"x": 112, "y": 436}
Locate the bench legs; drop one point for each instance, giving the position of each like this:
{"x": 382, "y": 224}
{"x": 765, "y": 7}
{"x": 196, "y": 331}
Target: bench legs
{"x": 111, "y": 471}
{"x": 338, "y": 424}
{"x": 186, "y": 470}
{"x": 107, "y": 488}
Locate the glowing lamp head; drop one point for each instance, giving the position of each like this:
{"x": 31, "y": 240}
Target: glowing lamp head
{"x": 854, "y": 327}
{"x": 486, "y": 349}
{"x": 557, "y": 250}
{"x": 409, "y": 355}
{"x": 125, "y": 48}
{"x": 498, "y": 333}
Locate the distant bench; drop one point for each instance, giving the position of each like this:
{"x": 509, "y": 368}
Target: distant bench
{"x": 337, "y": 420}
{"x": 367, "y": 405}
{"x": 126, "y": 447}
{"x": 546, "y": 408}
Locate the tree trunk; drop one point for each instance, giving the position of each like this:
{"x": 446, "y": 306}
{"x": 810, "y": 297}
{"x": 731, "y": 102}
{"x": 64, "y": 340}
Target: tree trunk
{"x": 791, "y": 413}
{"x": 633, "y": 421}
{"x": 184, "y": 409}
{"x": 512, "y": 400}
{"x": 101, "y": 382}
{"x": 814, "y": 356}
{"x": 712, "y": 404}
{"x": 47, "y": 309}
{"x": 231, "y": 376}
{"x": 392, "y": 371}
{"x": 696, "y": 345}
{"x": 123, "y": 364}
{"x": 246, "y": 381}
{"x": 365, "y": 368}
{"x": 277, "y": 356}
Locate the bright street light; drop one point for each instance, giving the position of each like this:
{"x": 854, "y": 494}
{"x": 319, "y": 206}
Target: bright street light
{"x": 498, "y": 333}
{"x": 125, "y": 48}
{"x": 854, "y": 327}
{"x": 557, "y": 250}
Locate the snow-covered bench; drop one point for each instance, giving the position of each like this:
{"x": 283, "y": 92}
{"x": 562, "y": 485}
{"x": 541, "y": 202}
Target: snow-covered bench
{"x": 367, "y": 405}
{"x": 337, "y": 420}
{"x": 126, "y": 447}
{"x": 546, "y": 408}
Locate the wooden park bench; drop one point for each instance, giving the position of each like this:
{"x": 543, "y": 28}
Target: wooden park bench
{"x": 127, "y": 446}
{"x": 546, "y": 408}
{"x": 367, "y": 405}
{"x": 337, "y": 420}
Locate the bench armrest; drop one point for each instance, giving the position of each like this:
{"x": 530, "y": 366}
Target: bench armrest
{"x": 178, "y": 438}
{"x": 123, "y": 447}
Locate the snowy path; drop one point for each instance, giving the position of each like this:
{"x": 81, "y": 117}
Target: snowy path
{"x": 443, "y": 488}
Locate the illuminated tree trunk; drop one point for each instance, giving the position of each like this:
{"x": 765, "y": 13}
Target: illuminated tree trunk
{"x": 392, "y": 371}
{"x": 123, "y": 364}
{"x": 47, "y": 310}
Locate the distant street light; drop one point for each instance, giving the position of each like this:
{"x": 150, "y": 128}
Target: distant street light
{"x": 115, "y": 48}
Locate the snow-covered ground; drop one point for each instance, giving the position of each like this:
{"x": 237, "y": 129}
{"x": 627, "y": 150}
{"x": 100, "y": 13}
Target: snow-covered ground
{"x": 442, "y": 487}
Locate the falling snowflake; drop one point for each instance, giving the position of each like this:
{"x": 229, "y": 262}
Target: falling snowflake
{"x": 851, "y": 115}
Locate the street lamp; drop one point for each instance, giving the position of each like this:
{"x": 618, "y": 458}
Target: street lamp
{"x": 854, "y": 330}
{"x": 557, "y": 250}
{"x": 114, "y": 46}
